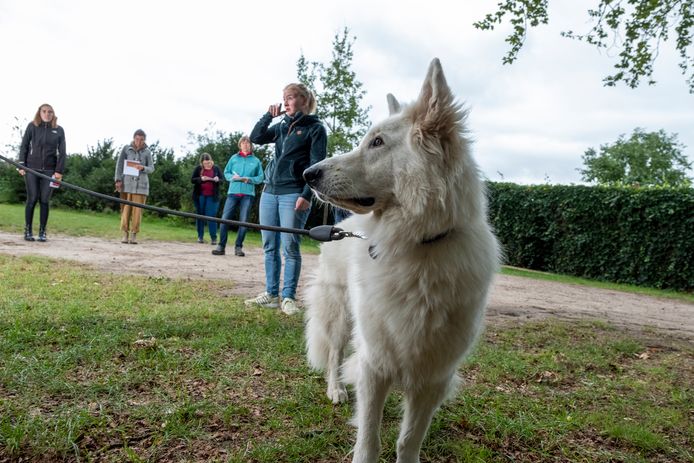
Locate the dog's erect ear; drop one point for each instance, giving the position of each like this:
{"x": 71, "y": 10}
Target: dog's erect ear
{"x": 435, "y": 108}
{"x": 393, "y": 105}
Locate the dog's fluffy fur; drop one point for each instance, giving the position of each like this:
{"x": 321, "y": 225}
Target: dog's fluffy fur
{"x": 411, "y": 297}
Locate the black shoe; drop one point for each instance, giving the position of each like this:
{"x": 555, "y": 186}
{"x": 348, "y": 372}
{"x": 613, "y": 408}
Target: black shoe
{"x": 218, "y": 251}
{"x": 213, "y": 242}
{"x": 42, "y": 235}
{"x": 238, "y": 251}
{"x": 28, "y": 236}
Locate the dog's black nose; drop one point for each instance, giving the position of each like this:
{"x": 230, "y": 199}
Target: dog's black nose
{"x": 312, "y": 175}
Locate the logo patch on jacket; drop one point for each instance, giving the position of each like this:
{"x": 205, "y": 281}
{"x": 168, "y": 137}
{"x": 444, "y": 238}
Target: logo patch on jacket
{"x": 298, "y": 132}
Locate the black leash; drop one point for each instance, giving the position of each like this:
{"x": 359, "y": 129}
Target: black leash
{"x": 319, "y": 233}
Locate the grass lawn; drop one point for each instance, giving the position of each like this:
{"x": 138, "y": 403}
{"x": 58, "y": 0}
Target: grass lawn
{"x": 100, "y": 367}
{"x": 107, "y": 225}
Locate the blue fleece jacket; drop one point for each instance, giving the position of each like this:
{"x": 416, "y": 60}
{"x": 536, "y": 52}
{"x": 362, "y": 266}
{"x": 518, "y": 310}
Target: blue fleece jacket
{"x": 245, "y": 167}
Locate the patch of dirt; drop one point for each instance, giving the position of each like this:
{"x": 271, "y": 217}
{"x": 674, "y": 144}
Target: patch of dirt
{"x": 513, "y": 299}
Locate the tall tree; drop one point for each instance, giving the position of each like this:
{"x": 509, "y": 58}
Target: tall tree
{"x": 338, "y": 94}
{"x": 636, "y": 28}
{"x": 645, "y": 158}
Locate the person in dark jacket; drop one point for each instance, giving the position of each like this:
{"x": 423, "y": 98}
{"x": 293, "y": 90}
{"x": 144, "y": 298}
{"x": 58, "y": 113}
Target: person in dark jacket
{"x": 300, "y": 141}
{"x": 205, "y": 179}
{"x": 42, "y": 149}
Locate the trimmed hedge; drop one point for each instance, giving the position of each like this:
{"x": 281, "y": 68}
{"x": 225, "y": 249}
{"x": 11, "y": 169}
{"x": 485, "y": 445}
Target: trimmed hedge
{"x": 642, "y": 236}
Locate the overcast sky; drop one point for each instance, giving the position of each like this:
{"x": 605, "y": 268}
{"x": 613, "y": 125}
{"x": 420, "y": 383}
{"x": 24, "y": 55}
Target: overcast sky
{"x": 172, "y": 68}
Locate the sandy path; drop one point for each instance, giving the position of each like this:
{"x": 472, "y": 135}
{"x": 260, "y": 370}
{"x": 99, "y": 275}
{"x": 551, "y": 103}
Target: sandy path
{"x": 513, "y": 299}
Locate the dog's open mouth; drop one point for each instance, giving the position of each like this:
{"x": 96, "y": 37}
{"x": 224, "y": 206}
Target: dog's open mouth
{"x": 348, "y": 203}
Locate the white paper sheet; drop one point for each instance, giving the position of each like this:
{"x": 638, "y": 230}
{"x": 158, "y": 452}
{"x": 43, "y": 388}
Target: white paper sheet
{"x": 130, "y": 169}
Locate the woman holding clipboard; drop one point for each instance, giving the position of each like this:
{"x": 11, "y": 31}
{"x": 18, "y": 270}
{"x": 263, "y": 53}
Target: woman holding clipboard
{"x": 133, "y": 165}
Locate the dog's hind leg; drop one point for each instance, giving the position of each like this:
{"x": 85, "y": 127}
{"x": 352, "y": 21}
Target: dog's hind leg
{"x": 420, "y": 406}
{"x": 372, "y": 389}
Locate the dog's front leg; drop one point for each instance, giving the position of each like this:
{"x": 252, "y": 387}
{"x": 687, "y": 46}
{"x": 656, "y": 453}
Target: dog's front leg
{"x": 336, "y": 389}
{"x": 372, "y": 390}
{"x": 420, "y": 406}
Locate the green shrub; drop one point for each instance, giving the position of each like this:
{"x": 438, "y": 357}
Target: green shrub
{"x": 640, "y": 236}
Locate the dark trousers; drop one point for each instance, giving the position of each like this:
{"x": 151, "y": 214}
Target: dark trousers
{"x": 243, "y": 203}
{"x": 38, "y": 190}
{"x": 206, "y": 205}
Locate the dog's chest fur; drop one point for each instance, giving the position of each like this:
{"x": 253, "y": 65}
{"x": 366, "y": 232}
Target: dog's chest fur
{"x": 408, "y": 302}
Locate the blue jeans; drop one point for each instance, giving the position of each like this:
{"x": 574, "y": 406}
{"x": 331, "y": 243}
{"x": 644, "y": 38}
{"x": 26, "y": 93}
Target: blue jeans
{"x": 243, "y": 203}
{"x": 207, "y": 205}
{"x": 278, "y": 210}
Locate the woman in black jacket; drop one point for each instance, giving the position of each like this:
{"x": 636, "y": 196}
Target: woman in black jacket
{"x": 42, "y": 149}
{"x": 205, "y": 179}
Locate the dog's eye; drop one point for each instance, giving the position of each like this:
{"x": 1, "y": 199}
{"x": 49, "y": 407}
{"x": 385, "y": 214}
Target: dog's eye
{"x": 378, "y": 141}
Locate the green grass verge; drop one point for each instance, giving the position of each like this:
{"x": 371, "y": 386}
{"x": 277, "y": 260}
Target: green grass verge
{"x": 107, "y": 225}
{"x": 520, "y": 272}
{"x": 100, "y": 367}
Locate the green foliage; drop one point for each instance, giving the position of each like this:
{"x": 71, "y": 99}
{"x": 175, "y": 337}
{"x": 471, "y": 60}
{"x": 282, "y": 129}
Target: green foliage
{"x": 653, "y": 158}
{"x": 640, "y": 236}
{"x": 339, "y": 95}
{"x": 93, "y": 171}
{"x": 637, "y": 28}
{"x": 12, "y": 189}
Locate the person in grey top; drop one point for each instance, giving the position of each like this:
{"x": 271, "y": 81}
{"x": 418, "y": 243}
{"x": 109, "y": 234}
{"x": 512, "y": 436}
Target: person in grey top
{"x": 132, "y": 181}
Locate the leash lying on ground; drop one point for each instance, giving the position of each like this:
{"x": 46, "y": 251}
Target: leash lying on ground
{"x": 319, "y": 233}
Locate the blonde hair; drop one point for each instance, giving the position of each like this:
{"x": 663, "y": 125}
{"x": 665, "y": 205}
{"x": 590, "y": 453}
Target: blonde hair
{"x": 245, "y": 138}
{"x": 303, "y": 90}
{"x": 37, "y": 117}
{"x": 205, "y": 157}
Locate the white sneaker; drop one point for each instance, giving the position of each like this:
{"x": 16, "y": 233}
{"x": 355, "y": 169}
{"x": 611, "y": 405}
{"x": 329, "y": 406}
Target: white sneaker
{"x": 289, "y": 306}
{"x": 263, "y": 300}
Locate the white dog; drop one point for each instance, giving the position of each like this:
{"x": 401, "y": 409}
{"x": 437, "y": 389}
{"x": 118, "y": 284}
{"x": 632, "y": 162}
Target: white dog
{"x": 411, "y": 296}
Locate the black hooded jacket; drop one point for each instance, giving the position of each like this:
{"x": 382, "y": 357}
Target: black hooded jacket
{"x": 43, "y": 148}
{"x": 300, "y": 142}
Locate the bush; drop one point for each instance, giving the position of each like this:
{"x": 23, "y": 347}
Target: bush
{"x": 640, "y": 236}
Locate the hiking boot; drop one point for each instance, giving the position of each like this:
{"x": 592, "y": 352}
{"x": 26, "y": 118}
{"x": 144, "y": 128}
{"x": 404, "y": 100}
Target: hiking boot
{"x": 239, "y": 252}
{"x": 289, "y": 306}
{"x": 124, "y": 240}
{"x": 213, "y": 242}
{"x": 218, "y": 251}
{"x": 200, "y": 240}
{"x": 133, "y": 238}
{"x": 28, "y": 235}
{"x": 42, "y": 235}
{"x": 263, "y": 300}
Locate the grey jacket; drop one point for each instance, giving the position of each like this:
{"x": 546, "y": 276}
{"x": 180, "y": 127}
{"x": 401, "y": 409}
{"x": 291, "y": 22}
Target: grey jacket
{"x": 135, "y": 184}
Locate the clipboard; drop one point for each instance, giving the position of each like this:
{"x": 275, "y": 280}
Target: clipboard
{"x": 130, "y": 167}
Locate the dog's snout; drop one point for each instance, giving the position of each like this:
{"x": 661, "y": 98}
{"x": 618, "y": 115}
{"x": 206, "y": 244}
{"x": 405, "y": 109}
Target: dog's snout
{"x": 312, "y": 175}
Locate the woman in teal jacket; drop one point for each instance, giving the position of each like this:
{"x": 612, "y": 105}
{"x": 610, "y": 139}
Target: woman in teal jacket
{"x": 243, "y": 172}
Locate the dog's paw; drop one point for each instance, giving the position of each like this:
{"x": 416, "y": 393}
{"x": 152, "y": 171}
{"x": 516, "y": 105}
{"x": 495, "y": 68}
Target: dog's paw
{"x": 337, "y": 394}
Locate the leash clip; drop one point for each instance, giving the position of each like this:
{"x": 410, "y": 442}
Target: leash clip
{"x": 330, "y": 233}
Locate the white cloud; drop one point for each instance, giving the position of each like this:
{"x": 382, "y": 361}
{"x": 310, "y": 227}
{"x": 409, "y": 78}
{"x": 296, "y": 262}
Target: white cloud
{"x": 171, "y": 68}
